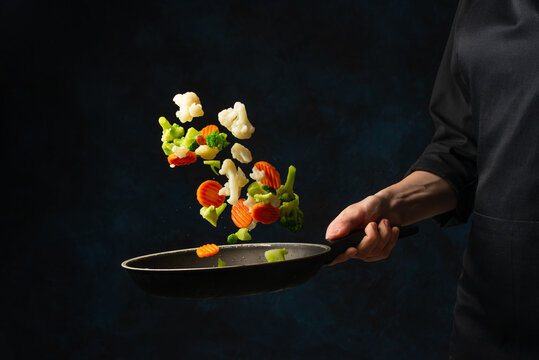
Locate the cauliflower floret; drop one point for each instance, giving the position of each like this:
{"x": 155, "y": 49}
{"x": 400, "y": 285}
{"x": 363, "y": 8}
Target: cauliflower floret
{"x": 225, "y": 190}
{"x": 257, "y": 175}
{"x": 206, "y": 152}
{"x": 180, "y": 151}
{"x": 241, "y": 153}
{"x": 249, "y": 202}
{"x": 252, "y": 225}
{"x": 236, "y": 180}
{"x": 236, "y": 121}
{"x": 190, "y": 106}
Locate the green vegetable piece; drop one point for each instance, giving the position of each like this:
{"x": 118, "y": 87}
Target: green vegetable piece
{"x": 174, "y": 132}
{"x": 269, "y": 189}
{"x": 254, "y": 189}
{"x": 190, "y": 141}
{"x": 243, "y": 234}
{"x": 215, "y": 139}
{"x": 221, "y": 262}
{"x": 286, "y": 191}
{"x": 221, "y": 208}
{"x": 274, "y": 255}
{"x": 265, "y": 198}
{"x": 192, "y": 133}
{"x": 193, "y": 146}
{"x": 291, "y": 217}
{"x": 167, "y": 148}
{"x": 179, "y": 142}
{"x": 164, "y": 123}
{"x": 232, "y": 239}
{"x": 214, "y": 164}
{"x": 211, "y": 213}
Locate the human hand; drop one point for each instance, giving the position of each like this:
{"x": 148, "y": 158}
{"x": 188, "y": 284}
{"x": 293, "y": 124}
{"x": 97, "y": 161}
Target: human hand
{"x": 372, "y": 214}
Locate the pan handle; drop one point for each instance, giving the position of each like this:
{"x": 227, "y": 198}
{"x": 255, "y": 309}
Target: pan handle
{"x": 338, "y": 246}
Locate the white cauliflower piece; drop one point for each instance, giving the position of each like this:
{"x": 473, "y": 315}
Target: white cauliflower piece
{"x": 190, "y": 106}
{"x": 225, "y": 190}
{"x": 236, "y": 121}
{"x": 249, "y": 202}
{"x": 257, "y": 175}
{"x": 252, "y": 225}
{"x": 241, "y": 153}
{"x": 180, "y": 151}
{"x": 236, "y": 180}
{"x": 206, "y": 152}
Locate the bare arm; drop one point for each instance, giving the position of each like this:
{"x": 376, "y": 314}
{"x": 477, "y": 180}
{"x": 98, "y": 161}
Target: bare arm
{"x": 419, "y": 196}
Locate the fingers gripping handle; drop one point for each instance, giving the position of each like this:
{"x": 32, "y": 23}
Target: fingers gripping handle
{"x": 338, "y": 246}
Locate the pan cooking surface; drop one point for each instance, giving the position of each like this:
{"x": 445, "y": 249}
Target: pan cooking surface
{"x": 233, "y": 255}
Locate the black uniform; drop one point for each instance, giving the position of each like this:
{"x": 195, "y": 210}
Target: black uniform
{"x": 485, "y": 106}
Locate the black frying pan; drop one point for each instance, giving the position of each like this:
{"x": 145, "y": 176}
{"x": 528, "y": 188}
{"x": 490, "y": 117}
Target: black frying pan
{"x": 182, "y": 274}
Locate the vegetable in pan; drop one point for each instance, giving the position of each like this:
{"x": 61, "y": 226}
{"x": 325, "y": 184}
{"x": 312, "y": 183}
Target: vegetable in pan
{"x": 207, "y": 250}
{"x": 274, "y": 255}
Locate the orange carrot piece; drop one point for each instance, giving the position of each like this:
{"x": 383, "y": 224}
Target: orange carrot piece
{"x": 265, "y": 213}
{"x": 271, "y": 175}
{"x": 208, "y": 193}
{"x": 240, "y": 214}
{"x": 201, "y": 140}
{"x": 208, "y": 130}
{"x": 189, "y": 158}
{"x": 207, "y": 250}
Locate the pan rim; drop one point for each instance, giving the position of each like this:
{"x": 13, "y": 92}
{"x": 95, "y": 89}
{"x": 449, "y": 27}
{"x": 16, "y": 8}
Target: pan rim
{"x": 125, "y": 265}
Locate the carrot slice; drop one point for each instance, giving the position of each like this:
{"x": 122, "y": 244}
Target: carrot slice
{"x": 208, "y": 130}
{"x": 201, "y": 140}
{"x": 207, "y": 250}
{"x": 240, "y": 214}
{"x": 265, "y": 213}
{"x": 208, "y": 193}
{"x": 189, "y": 158}
{"x": 271, "y": 175}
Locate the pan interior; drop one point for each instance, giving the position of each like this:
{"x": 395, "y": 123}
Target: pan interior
{"x": 232, "y": 255}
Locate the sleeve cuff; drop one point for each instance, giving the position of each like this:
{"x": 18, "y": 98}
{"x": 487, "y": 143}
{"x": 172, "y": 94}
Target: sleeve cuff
{"x": 464, "y": 191}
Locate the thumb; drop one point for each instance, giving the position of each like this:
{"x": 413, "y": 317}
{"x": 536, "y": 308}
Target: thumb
{"x": 347, "y": 220}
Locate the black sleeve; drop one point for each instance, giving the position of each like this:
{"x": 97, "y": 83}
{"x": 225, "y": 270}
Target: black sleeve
{"x": 452, "y": 151}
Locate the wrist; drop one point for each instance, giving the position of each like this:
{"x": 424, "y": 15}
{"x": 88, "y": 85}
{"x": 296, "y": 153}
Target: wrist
{"x": 389, "y": 200}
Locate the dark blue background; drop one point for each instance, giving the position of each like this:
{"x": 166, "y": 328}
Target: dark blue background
{"x": 339, "y": 89}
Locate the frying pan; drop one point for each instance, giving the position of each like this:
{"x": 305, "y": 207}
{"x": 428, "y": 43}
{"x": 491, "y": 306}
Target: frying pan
{"x": 182, "y": 274}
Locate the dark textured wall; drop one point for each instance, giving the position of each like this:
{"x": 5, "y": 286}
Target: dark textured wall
{"x": 339, "y": 89}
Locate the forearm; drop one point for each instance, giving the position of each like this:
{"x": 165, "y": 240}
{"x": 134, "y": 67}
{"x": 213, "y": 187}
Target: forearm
{"x": 419, "y": 196}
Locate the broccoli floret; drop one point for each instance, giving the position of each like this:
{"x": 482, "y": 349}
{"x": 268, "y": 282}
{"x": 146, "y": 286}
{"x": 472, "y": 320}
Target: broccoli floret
{"x": 291, "y": 217}
{"x": 211, "y": 213}
{"x": 286, "y": 191}
{"x": 268, "y": 198}
{"x": 167, "y": 147}
{"x": 232, "y": 239}
{"x": 217, "y": 140}
{"x": 269, "y": 189}
{"x": 173, "y": 132}
{"x": 241, "y": 234}
{"x": 254, "y": 189}
{"x": 190, "y": 140}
